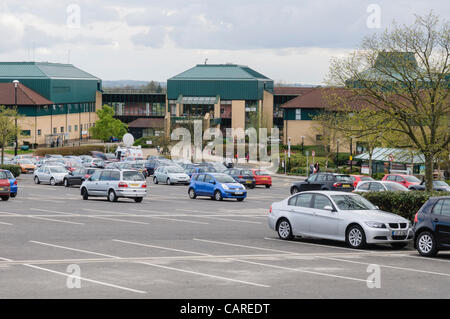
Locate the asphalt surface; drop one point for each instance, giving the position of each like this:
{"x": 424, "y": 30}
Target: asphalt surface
{"x": 170, "y": 246}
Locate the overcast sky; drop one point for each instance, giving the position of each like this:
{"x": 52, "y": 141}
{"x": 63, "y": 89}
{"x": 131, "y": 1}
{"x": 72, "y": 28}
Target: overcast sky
{"x": 287, "y": 40}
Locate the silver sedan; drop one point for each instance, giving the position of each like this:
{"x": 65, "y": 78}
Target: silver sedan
{"x": 338, "y": 216}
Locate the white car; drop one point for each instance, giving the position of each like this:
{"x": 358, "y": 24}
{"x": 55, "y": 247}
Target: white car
{"x": 171, "y": 175}
{"x": 338, "y": 216}
{"x": 380, "y": 186}
{"x": 52, "y": 175}
{"x": 114, "y": 184}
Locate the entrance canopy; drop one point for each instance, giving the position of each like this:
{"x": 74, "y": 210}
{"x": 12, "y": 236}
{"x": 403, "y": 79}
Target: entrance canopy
{"x": 395, "y": 155}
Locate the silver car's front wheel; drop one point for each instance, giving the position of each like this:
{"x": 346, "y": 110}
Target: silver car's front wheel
{"x": 356, "y": 237}
{"x": 52, "y": 181}
{"x": 285, "y": 230}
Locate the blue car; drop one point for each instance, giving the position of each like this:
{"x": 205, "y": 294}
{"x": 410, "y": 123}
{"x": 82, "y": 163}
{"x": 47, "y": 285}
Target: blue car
{"x": 217, "y": 186}
{"x": 198, "y": 170}
{"x": 12, "y": 182}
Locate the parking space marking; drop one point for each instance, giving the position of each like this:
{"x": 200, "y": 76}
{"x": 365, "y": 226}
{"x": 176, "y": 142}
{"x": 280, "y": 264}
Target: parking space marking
{"x": 55, "y": 220}
{"x": 160, "y": 247}
{"x": 428, "y": 259}
{"x": 228, "y": 219}
{"x": 8, "y": 224}
{"x": 301, "y": 270}
{"x": 206, "y": 275}
{"x": 244, "y": 246}
{"x": 387, "y": 266}
{"x": 312, "y": 244}
{"x": 73, "y": 249}
{"x": 51, "y": 211}
{"x": 109, "y": 212}
{"x": 118, "y": 220}
{"x": 178, "y": 220}
{"x": 81, "y": 278}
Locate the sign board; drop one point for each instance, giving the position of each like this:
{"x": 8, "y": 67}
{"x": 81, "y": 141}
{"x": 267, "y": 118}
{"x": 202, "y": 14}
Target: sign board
{"x": 313, "y": 153}
{"x": 307, "y": 153}
{"x": 351, "y": 158}
{"x": 149, "y": 142}
{"x": 289, "y": 147}
{"x": 365, "y": 169}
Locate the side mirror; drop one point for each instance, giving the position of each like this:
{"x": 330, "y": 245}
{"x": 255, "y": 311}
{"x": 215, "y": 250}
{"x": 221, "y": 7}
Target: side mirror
{"x": 328, "y": 207}
{"x": 213, "y": 182}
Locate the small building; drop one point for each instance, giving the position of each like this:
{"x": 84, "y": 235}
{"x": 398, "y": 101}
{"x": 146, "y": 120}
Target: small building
{"x": 57, "y": 101}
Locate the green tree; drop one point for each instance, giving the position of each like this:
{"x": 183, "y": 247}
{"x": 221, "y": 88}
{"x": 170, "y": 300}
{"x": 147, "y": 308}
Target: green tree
{"x": 8, "y": 129}
{"x": 107, "y": 126}
{"x": 403, "y": 74}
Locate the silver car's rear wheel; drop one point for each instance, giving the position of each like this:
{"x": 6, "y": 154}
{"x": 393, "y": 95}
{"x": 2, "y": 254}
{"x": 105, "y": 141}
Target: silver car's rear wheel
{"x": 112, "y": 196}
{"x": 52, "y": 181}
{"x": 356, "y": 237}
{"x": 36, "y": 180}
{"x": 285, "y": 230}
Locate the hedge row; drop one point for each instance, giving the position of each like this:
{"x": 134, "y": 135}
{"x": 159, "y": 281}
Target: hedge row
{"x": 14, "y": 169}
{"x": 405, "y": 204}
{"x": 70, "y": 150}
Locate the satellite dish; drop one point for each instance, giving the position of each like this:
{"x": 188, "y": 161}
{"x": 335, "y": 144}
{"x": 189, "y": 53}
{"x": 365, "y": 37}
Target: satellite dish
{"x": 128, "y": 140}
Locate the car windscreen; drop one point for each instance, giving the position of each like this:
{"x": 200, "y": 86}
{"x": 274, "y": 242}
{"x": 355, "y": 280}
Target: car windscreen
{"x": 262, "y": 173}
{"x": 440, "y": 183}
{"x": 344, "y": 178}
{"x": 224, "y": 179}
{"x": 366, "y": 178}
{"x": 246, "y": 172}
{"x": 58, "y": 170}
{"x": 25, "y": 161}
{"x": 412, "y": 179}
{"x": 3, "y": 175}
{"x": 133, "y": 176}
{"x": 9, "y": 174}
{"x": 352, "y": 202}
{"x": 394, "y": 187}
{"x": 177, "y": 170}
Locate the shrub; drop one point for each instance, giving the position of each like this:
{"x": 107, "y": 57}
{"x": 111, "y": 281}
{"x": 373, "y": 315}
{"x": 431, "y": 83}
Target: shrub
{"x": 378, "y": 176}
{"x": 70, "y": 150}
{"x": 14, "y": 169}
{"x": 405, "y": 204}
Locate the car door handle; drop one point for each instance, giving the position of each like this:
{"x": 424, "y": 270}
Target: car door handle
{"x": 436, "y": 220}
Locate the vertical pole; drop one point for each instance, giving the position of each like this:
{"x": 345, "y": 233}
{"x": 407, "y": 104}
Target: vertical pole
{"x": 15, "y": 118}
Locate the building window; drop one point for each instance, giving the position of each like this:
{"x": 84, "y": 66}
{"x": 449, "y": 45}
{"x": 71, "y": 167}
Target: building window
{"x": 70, "y": 128}
{"x": 26, "y": 133}
{"x": 62, "y": 129}
{"x": 319, "y": 138}
{"x": 298, "y": 114}
{"x": 39, "y": 132}
{"x": 76, "y": 128}
{"x": 55, "y": 130}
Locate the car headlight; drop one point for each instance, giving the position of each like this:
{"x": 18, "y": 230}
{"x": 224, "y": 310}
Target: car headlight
{"x": 224, "y": 186}
{"x": 375, "y": 225}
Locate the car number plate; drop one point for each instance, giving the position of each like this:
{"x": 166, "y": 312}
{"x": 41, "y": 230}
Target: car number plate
{"x": 134, "y": 185}
{"x": 238, "y": 193}
{"x": 398, "y": 233}
{"x": 346, "y": 186}
{"x": 248, "y": 182}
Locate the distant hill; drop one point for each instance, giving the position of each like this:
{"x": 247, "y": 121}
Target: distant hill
{"x": 133, "y": 84}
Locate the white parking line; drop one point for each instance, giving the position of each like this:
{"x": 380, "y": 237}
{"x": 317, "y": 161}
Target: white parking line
{"x": 3, "y": 223}
{"x": 55, "y": 220}
{"x": 177, "y": 220}
{"x": 387, "y": 266}
{"x": 206, "y": 275}
{"x": 81, "y": 278}
{"x": 73, "y": 249}
{"x": 311, "y": 244}
{"x": 228, "y": 219}
{"x": 244, "y": 246}
{"x": 159, "y": 247}
{"x": 109, "y": 212}
{"x": 118, "y": 220}
{"x": 301, "y": 270}
{"x": 51, "y": 211}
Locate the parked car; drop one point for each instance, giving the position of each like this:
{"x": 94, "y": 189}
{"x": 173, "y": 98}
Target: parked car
{"x": 5, "y": 188}
{"x": 78, "y": 176}
{"x": 405, "y": 180}
{"x": 380, "y": 186}
{"x": 262, "y": 177}
{"x": 52, "y": 175}
{"x": 243, "y": 176}
{"x": 26, "y": 165}
{"x": 12, "y": 183}
{"x": 171, "y": 175}
{"x": 95, "y": 163}
{"x": 152, "y": 164}
{"x": 198, "y": 170}
{"x": 115, "y": 184}
{"x": 360, "y": 178}
{"x": 217, "y": 186}
{"x": 439, "y": 186}
{"x": 338, "y": 216}
{"x": 324, "y": 181}
{"x": 432, "y": 226}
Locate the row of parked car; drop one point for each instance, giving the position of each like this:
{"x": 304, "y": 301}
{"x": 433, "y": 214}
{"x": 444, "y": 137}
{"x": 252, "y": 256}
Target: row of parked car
{"x": 361, "y": 183}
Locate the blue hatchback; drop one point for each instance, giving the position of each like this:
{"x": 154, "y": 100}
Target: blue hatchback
{"x": 12, "y": 182}
{"x": 217, "y": 186}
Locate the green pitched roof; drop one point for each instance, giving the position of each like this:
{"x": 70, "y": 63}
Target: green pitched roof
{"x": 42, "y": 70}
{"x": 220, "y": 72}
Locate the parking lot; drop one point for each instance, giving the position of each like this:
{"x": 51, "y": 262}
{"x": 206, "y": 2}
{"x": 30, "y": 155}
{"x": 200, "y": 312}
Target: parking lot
{"x": 170, "y": 246}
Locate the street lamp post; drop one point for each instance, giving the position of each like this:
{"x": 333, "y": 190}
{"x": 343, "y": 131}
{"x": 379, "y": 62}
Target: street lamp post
{"x": 351, "y": 155}
{"x": 303, "y": 145}
{"x": 337, "y": 154}
{"x": 16, "y": 84}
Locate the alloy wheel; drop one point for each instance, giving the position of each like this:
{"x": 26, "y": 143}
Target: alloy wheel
{"x": 355, "y": 237}
{"x": 425, "y": 243}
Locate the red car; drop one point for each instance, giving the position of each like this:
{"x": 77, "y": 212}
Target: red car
{"x": 360, "y": 178}
{"x": 262, "y": 177}
{"x": 405, "y": 180}
{"x": 5, "y": 186}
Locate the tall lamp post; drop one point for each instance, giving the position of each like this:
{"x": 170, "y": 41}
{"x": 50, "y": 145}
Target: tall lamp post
{"x": 16, "y": 84}
{"x": 351, "y": 154}
{"x": 303, "y": 145}
{"x": 337, "y": 154}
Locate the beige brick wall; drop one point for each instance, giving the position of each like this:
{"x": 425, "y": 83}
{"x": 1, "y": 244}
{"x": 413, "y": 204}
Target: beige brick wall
{"x": 238, "y": 114}
{"x": 267, "y": 110}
